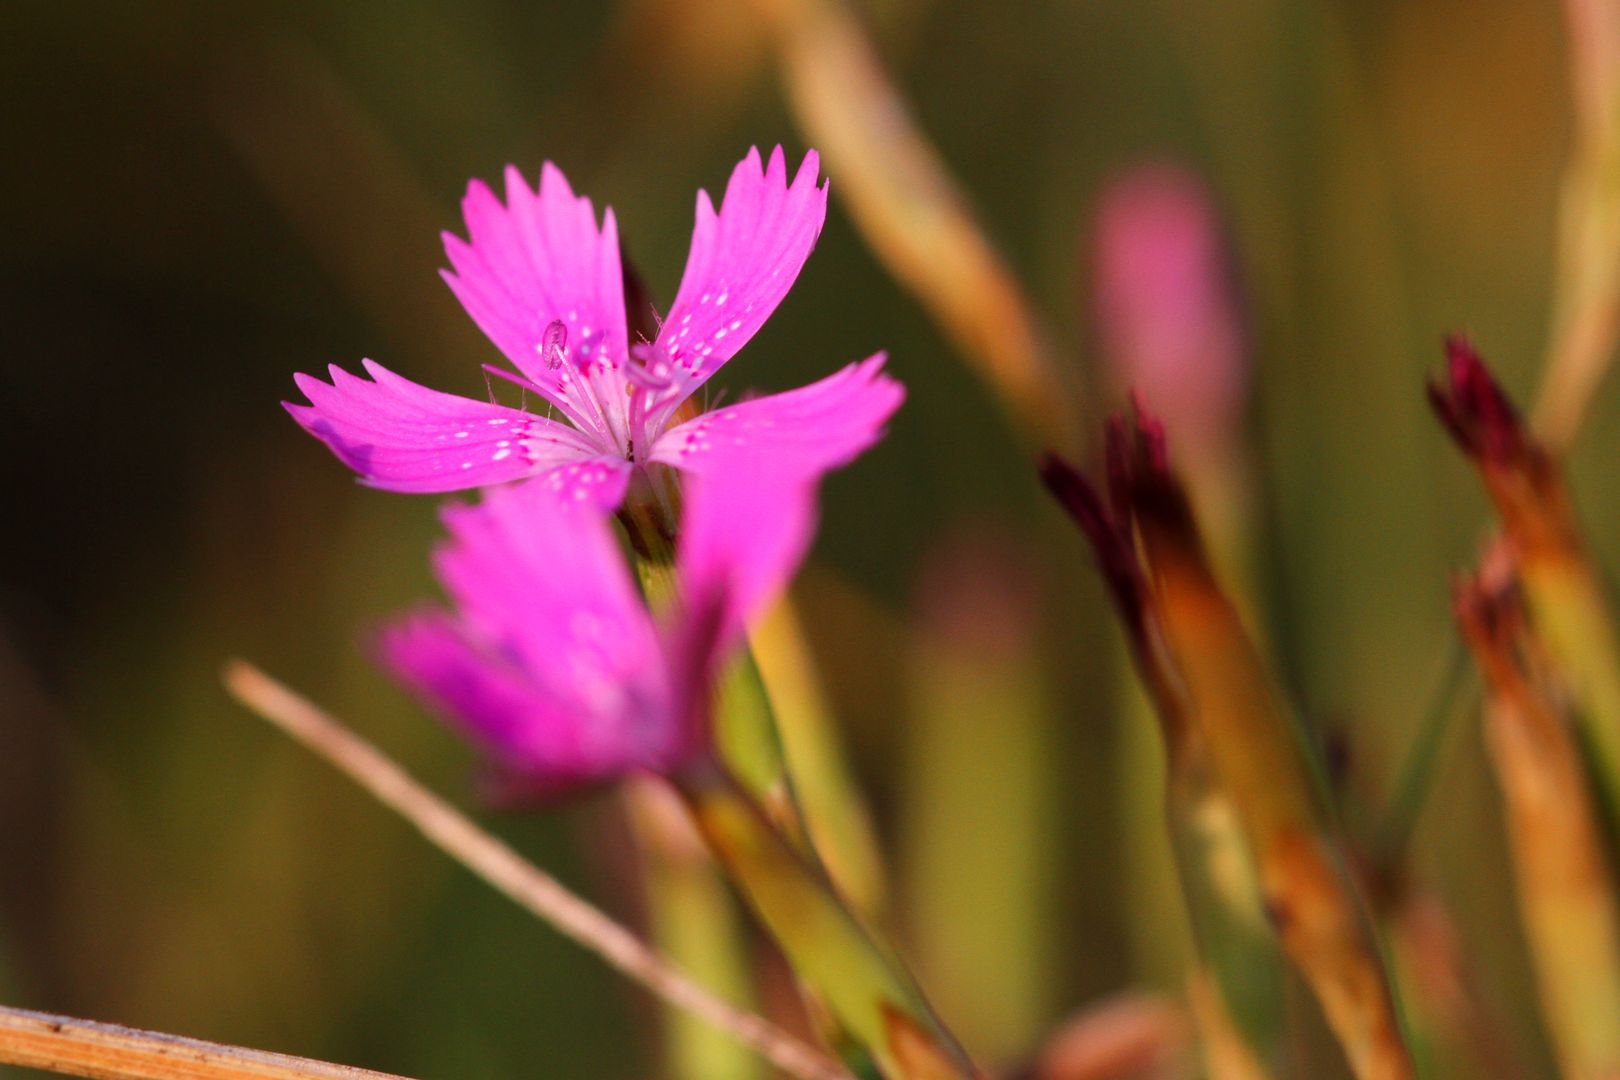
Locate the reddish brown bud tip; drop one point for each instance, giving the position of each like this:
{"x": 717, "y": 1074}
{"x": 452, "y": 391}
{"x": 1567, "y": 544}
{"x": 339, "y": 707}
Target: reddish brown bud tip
{"x": 1109, "y": 535}
{"x": 1143, "y": 487}
{"x": 1152, "y": 447}
{"x": 1474, "y": 408}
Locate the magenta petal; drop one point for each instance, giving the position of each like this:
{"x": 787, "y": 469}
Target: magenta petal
{"x": 745, "y": 531}
{"x": 800, "y": 433}
{"x": 544, "y": 582}
{"x": 743, "y": 261}
{"x": 598, "y": 482}
{"x": 493, "y": 704}
{"x": 538, "y": 258}
{"x": 405, "y": 437}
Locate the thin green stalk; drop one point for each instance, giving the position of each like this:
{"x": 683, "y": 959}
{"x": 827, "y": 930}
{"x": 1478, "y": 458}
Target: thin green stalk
{"x": 840, "y": 822}
{"x": 693, "y": 920}
{"x": 1416, "y": 778}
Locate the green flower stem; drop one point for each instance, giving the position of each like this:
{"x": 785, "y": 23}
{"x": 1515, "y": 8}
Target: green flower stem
{"x": 1569, "y": 608}
{"x": 854, "y": 976}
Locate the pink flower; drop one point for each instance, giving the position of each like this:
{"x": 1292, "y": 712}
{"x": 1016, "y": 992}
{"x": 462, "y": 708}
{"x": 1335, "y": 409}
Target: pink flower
{"x": 544, "y": 282}
{"x": 552, "y": 661}
{"x": 1167, "y": 317}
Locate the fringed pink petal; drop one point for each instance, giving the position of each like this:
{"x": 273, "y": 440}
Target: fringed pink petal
{"x": 743, "y": 261}
{"x": 402, "y": 436}
{"x": 526, "y": 732}
{"x": 543, "y": 581}
{"x": 536, "y": 259}
{"x": 800, "y": 433}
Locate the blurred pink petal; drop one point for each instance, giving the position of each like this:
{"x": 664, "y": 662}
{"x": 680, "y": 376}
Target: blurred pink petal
{"x": 1167, "y": 319}
{"x": 544, "y": 581}
{"x": 493, "y": 704}
{"x": 745, "y": 531}
{"x": 552, "y": 661}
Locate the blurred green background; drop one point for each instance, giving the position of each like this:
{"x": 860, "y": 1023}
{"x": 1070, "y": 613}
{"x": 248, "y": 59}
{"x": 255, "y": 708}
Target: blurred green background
{"x": 202, "y": 199}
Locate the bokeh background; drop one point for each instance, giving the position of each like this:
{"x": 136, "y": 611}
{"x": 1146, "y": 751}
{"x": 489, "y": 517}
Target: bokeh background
{"x": 202, "y": 199}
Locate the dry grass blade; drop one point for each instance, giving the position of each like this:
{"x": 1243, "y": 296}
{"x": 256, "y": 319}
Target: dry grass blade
{"x": 527, "y": 885}
{"x": 1586, "y": 315}
{"x": 909, "y": 210}
{"x": 62, "y": 1044}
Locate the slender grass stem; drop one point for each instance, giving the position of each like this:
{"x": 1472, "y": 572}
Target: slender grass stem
{"x": 521, "y": 881}
{"x": 1416, "y": 778}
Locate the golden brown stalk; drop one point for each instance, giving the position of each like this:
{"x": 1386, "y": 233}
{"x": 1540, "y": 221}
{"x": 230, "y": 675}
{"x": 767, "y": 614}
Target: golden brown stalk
{"x": 1586, "y": 312}
{"x": 62, "y": 1044}
{"x": 1564, "y": 593}
{"x": 1565, "y": 887}
{"x": 1256, "y": 755}
{"x": 1237, "y": 983}
{"x": 909, "y": 209}
{"x": 1257, "y": 759}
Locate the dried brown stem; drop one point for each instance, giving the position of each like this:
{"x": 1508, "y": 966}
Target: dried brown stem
{"x": 523, "y": 882}
{"x": 62, "y": 1044}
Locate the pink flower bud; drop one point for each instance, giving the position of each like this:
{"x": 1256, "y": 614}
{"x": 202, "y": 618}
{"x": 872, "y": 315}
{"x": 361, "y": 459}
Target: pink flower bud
{"x": 1167, "y": 323}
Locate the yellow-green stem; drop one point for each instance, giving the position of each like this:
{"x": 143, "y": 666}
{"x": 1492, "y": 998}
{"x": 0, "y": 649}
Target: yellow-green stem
{"x": 694, "y": 922}
{"x": 839, "y": 822}
{"x": 853, "y": 975}
{"x": 1569, "y": 608}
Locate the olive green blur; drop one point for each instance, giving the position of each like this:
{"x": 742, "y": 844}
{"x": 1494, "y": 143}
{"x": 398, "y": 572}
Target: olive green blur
{"x": 201, "y": 199}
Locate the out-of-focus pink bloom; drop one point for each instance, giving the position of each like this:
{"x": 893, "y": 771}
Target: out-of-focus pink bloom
{"x": 544, "y": 282}
{"x": 551, "y": 660}
{"x": 1166, "y": 315}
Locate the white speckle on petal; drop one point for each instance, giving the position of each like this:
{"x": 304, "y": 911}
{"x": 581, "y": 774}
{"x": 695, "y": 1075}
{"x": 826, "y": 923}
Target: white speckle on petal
{"x": 462, "y": 434}
{"x": 500, "y": 455}
{"x": 466, "y": 464}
